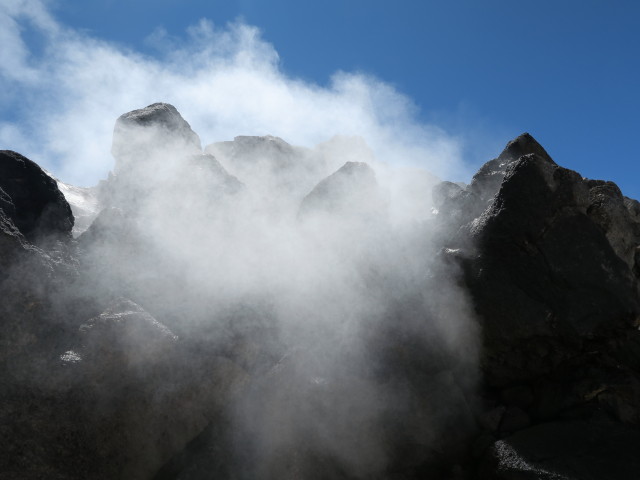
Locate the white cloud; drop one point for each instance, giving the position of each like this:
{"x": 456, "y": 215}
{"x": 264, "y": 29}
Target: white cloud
{"x": 225, "y": 82}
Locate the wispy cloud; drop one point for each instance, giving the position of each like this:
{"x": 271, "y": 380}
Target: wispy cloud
{"x": 64, "y": 97}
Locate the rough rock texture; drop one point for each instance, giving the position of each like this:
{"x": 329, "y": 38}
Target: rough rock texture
{"x": 458, "y": 206}
{"x": 113, "y": 365}
{"x": 550, "y": 261}
{"x": 563, "y": 278}
{"x": 31, "y": 198}
{"x": 149, "y": 401}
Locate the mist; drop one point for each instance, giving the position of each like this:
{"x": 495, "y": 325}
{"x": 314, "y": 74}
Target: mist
{"x": 284, "y": 226}
{"x": 226, "y": 80}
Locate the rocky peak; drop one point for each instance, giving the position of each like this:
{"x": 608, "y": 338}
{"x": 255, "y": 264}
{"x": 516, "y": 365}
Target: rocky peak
{"x": 486, "y": 181}
{"x": 523, "y": 144}
{"x": 458, "y": 206}
{"x": 157, "y": 129}
{"x": 352, "y": 188}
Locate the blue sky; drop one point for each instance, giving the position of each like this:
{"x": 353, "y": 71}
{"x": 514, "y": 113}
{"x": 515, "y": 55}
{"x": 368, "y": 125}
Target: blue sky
{"x": 482, "y": 72}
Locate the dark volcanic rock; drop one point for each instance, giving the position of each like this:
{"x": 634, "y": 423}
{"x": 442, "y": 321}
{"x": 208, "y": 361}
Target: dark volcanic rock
{"x": 135, "y": 365}
{"x": 127, "y": 334}
{"x": 548, "y": 256}
{"x": 487, "y": 180}
{"x": 147, "y": 395}
{"x": 545, "y": 269}
{"x": 6, "y": 204}
{"x": 538, "y": 234}
{"x": 458, "y": 206}
{"x": 11, "y": 241}
{"x": 549, "y": 259}
{"x": 39, "y": 208}
{"x": 574, "y": 450}
{"x": 617, "y": 218}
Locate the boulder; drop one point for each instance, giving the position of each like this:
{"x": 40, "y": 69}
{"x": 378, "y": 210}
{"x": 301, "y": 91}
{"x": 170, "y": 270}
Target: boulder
{"x": 31, "y": 199}
{"x": 157, "y": 130}
{"x": 127, "y": 335}
{"x": 150, "y": 394}
{"x": 157, "y": 154}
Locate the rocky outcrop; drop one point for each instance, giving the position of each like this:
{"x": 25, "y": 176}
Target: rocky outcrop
{"x": 457, "y": 206}
{"x": 118, "y": 361}
{"x": 549, "y": 260}
{"x": 544, "y": 268}
{"x": 271, "y": 152}
{"x": 546, "y": 260}
{"x": 352, "y": 191}
{"x": 31, "y": 198}
{"x": 277, "y": 172}
{"x": 156, "y": 154}
{"x": 146, "y": 132}
{"x": 150, "y": 402}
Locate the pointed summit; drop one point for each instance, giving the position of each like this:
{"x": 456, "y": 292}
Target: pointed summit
{"x": 156, "y": 129}
{"x": 523, "y": 144}
{"x": 487, "y": 180}
{"x": 351, "y": 190}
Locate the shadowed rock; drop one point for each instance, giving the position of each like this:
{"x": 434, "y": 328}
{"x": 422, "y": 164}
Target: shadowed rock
{"x": 100, "y": 388}
{"x": 459, "y": 206}
{"x": 544, "y": 268}
{"x": 31, "y": 198}
{"x": 565, "y": 451}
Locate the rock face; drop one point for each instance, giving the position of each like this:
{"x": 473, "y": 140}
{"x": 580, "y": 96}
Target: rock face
{"x": 546, "y": 270}
{"x": 140, "y": 350}
{"x": 31, "y": 199}
{"x": 549, "y": 260}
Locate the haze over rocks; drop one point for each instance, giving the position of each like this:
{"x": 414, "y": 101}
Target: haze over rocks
{"x": 261, "y": 310}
